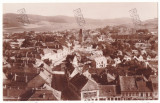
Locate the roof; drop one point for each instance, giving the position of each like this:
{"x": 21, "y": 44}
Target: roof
{"x": 127, "y": 83}
{"x": 153, "y": 78}
{"x": 12, "y": 92}
{"x": 90, "y": 85}
{"x": 59, "y": 81}
{"x": 59, "y": 67}
{"x": 83, "y": 84}
{"x": 42, "y": 95}
{"x": 96, "y": 71}
{"x": 36, "y": 82}
{"x": 79, "y": 81}
{"x": 133, "y": 84}
{"x": 154, "y": 81}
{"x": 142, "y": 86}
{"x": 107, "y": 90}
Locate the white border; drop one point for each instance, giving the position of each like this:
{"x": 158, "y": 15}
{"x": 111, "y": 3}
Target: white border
{"x": 68, "y": 1}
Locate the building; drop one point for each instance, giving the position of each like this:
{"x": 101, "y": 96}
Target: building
{"x": 134, "y": 88}
{"x": 101, "y": 62}
{"x": 108, "y": 92}
{"x": 84, "y": 88}
{"x": 154, "y": 81}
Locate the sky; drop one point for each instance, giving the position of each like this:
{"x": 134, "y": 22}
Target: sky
{"x": 147, "y": 10}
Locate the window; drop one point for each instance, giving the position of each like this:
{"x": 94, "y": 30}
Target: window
{"x": 102, "y": 99}
{"x": 129, "y": 94}
{"x": 150, "y": 94}
{"x": 136, "y": 94}
{"x": 141, "y": 94}
{"x": 146, "y": 94}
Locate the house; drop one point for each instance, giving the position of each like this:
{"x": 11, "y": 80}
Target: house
{"x": 84, "y": 88}
{"x": 101, "y": 38}
{"x": 12, "y": 94}
{"x": 119, "y": 52}
{"x": 134, "y": 88}
{"x": 135, "y": 52}
{"x": 143, "y": 52}
{"x": 59, "y": 82}
{"x": 117, "y": 61}
{"x": 140, "y": 58}
{"x": 127, "y": 58}
{"x": 154, "y": 81}
{"x": 36, "y": 82}
{"x": 143, "y": 45}
{"x": 101, "y": 62}
{"x": 152, "y": 59}
{"x": 42, "y": 95}
{"x": 108, "y": 92}
{"x": 55, "y": 92}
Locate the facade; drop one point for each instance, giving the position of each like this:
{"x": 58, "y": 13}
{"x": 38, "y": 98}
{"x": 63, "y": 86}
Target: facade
{"x": 101, "y": 62}
{"x": 108, "y": 92}
{"x": 136, "y": 89}
{"x": 84, "y": 88}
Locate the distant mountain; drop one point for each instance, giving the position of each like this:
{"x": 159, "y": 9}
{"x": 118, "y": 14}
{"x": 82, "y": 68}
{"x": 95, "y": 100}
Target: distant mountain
{"x": 60, "y": 22}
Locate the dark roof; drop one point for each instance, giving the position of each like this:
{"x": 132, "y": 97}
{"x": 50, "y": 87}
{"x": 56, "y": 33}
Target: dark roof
{"x": 36, "y": 82}
{"x": 59, "y": 81}
{"x": 39, "y": 95}
{"x": 12, "y": 92}
{"x": 38, "y": 44}
{"x": 59, "y": 67}
{"x": 96, "y": 71}
{"x": 79, "y": 81}
{"x": 107, "y": 90}
{"x": 142, "y": 86}
{"x": 68, "y": 94}
{"x": 154, "y": 81}
{"x": 133, "y": 84}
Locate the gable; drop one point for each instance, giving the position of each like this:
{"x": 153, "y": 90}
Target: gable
{"x": 90, "y": 85}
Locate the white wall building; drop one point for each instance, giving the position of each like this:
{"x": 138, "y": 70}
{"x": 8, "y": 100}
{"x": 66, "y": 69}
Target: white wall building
{"x": 101, "y": 62}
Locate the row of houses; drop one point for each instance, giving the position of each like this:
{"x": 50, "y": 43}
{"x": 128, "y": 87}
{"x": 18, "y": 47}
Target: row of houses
{"x": 127, "y": 88}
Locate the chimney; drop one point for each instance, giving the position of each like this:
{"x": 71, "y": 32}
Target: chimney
{"x": 15, "y": 77}
{"x": 126, "y": 74}
{"x": 26, "y": 79}
{"x": 44, "y": 95}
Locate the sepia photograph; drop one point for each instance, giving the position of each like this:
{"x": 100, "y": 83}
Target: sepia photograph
{"x": 101, "y": 51}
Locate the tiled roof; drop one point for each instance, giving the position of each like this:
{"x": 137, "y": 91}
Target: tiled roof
{"x": 42, "y": 95}
{"x": 36, "y": 82}
{"x": 59, "y": 81}
{"x": 142, "y": 86}
{"x": 107, "y": 90}
{"x": 12, "y": 92}
{"x": 133, "y": 84}
{"x": 153, "y": 78}
{"x": 96, "y": 71}
{"x": 90, "y": 85}
{"x": 79, "y": 81}
{"x": 83, "y": 84}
